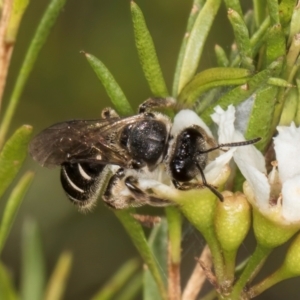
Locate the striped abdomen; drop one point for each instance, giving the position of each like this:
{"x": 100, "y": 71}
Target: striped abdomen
{"x": 81, "y": 182}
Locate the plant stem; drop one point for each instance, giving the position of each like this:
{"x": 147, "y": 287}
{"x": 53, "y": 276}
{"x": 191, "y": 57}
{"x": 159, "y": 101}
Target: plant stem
{"x": 271, "y": 280}
{"x": 254, "y": 265}
{"x": 174, "y": 252}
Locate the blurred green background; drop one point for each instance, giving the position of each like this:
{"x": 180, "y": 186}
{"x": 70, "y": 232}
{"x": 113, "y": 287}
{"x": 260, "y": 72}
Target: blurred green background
{"x": 61, "y": 87}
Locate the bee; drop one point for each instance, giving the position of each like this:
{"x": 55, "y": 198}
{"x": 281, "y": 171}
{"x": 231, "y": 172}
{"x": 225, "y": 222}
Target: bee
{"x": 147, "y": 145}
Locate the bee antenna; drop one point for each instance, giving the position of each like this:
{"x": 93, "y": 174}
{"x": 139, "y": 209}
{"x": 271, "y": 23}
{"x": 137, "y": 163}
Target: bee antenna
{"x": 236, "y": 144}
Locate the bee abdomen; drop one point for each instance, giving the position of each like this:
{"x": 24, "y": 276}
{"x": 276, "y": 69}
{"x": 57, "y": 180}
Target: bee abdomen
{"x": 81, "y": 182}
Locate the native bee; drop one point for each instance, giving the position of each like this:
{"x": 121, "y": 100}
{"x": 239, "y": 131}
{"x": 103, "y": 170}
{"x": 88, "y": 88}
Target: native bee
{"x": 147, "y": 145}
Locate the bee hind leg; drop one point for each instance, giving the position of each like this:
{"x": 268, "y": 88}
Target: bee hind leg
{"x": 143, "y": 197}
{"x": 123, "y": 192}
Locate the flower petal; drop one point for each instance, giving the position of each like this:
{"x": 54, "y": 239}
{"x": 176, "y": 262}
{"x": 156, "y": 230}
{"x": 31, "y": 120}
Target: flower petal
{"x": 287, "y": 145}
{"x": 291, "y": 199}
{"x": 225, "y": 121}
{"x": 259, "y": 185}
{"x": 243, "y": 111}
{"x": 216, "y": 167}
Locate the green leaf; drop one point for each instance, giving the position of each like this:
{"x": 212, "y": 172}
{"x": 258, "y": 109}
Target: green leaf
{"x": 196, "y": 8}
{"x": 279, "y": 82}
{"x": 210, "y": 78}
{"x": 7, "y": 290}
{"x": 222, "y": 58}
{"x": 33, "y": 266}
{"x": 147, "y": 53}
{"x": 12, "y": 156}
{"x": 275, "y": 44}
{"x": 286, "y": 8}
{"x": 258, "y": 37}
{"x": 130, "y": 291}
{"x": 114, "y": 284}
{"x": 136, "y": 233}
{"x": 290, "y": 108}
{"x": 19, "y": 7}
{"x": 12, "y": 206}
{"x": 57, "y": 284}
{"x": 112, "y": 88}
{"x": 196, "y": 41}
{"x": 273, "y": 9}
{"x": 260, "y": 121}
{"x": 297, "y": 115}
{"x": 295, "y": 24}
{"x": 36, "y": 45}
{"x": 259, "y": 7}
{"x": 235, "y": 5}
{"x": 291, "y": 58}
{"x": 242, "y": 39}
{"x": 241, "y": 93}
{"x": 174, "y": 219}
{"x": 158, "y": 242}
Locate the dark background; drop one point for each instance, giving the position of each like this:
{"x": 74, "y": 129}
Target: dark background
{"x": 62, "y": 86}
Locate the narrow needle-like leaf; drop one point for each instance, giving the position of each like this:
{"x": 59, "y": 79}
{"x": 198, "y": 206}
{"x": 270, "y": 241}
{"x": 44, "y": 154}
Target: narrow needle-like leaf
{"x": 58, "y": 280}
{"x": 196, "y": 41}
{"x": 7, "y": 290}
{"x": 33, "y": 267}
{"x": 147, "y": 53}
{"x": 136, "y": 233}
{"x": 12, "y": 156}
{"x": 114, "y": 284}
{"x": 196, "y": 8}
{"x": 13, "y": 203}
{"x": 112, "y": 88}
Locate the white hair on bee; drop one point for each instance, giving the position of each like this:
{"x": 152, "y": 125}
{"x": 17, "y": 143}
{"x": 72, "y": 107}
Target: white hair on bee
{"x": 188, "y": 118}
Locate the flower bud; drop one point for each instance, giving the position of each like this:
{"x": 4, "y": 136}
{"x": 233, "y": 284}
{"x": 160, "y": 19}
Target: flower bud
{"x": 232, "y": 220}
{"x": 269, "y": 231}
{"x": 291, "y": 263}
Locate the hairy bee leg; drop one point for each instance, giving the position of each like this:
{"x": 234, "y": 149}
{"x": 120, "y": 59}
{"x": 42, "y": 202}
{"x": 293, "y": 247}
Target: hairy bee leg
{"x": 141, "y": 196}
{"x": 112, "y": 196}
{"x": 123, "y": 192}
{"x": 154, "y": 103}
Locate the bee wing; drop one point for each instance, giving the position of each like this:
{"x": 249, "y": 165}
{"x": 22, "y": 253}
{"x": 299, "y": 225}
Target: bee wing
{"x": 82, "y": 140}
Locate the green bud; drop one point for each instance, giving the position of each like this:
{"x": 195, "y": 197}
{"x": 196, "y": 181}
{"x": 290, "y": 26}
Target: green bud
{"x": 232, "y": 220}
{"x": 291, "y": 263}
{"x": 270, "y": 228}
{"x": 269, "y": 231}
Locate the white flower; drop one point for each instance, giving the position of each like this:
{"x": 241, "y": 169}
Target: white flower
{"x": 287, "y": 146}
{"x": 276, "y": 195}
